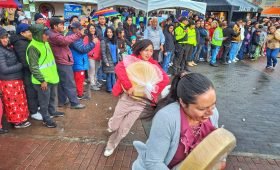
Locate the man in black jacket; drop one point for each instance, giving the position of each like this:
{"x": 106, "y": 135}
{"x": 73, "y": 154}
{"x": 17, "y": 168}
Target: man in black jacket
{"x": 229, "y": 33}
{"x": 20, "y": 41}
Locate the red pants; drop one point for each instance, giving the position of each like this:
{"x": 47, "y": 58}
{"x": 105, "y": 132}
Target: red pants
{"x": 79, "y": 77}
{"x": 1, "y": 113}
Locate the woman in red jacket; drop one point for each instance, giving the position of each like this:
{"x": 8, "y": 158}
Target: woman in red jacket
{"x": 129, "y": 107}
{"x": 94, "y": 57}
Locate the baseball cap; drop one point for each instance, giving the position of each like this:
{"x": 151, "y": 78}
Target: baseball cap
{"x": 76, "y": 25}
{"x": 22, "y": 28}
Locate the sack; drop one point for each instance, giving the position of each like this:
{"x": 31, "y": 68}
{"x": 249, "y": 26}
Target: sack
{"x": 144, "y": 77}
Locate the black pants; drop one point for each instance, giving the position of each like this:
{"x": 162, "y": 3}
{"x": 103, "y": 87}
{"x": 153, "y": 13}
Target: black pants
{"x": 67, "y": 85}
{"x": 225, "y": 56}
{"x": 183, "y": 54}
{"x": 156, "y": 54}
{"x": 46, "y": 100}
{"x": 31, "y": 93}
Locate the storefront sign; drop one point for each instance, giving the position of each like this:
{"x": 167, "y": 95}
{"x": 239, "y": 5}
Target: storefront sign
{"x": 247, "y": 9}
{"x": 72, "y": 9}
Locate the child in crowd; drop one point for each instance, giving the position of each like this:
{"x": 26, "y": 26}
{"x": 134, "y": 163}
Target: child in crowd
{"x": 80, "y": 56}
{"x": 122, "y": 43}
{"x": 110, "y": 57}
{"x": 94, "y": 57}
{"x": 255, "y": 45}
{"x": 129, "y": 49}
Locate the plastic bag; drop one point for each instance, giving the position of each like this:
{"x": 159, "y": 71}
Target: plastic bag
{"x": 144, "y": 77}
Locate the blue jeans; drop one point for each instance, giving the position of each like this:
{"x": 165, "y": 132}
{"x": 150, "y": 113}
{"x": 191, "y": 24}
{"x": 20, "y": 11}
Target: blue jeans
{"x": 100, "y": 74}
{"x": 241, "y": 52}
{"x": 111, "y": 80}
{"x": 215, "y": 51}
{"x": 204, "y": 52}
{"x": 193, "y": 53}
{"x": 271, "y": 55}
{"x": 166, "y": 61}
{"x": 233, "y": 50}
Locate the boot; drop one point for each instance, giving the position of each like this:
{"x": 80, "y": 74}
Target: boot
{"x": 193, "y": 63}
{"x": 190, "y": 64}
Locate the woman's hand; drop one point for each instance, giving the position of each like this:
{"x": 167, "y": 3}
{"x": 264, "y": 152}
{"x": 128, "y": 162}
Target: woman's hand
{"x": 130, "y": 91}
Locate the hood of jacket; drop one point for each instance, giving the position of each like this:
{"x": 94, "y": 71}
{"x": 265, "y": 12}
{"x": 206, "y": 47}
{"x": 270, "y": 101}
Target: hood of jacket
{"x": 17, "y": 37}
{"x": 37, "y": 32}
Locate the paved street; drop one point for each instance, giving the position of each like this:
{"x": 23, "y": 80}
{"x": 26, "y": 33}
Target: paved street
{"x": 248, "y": 102}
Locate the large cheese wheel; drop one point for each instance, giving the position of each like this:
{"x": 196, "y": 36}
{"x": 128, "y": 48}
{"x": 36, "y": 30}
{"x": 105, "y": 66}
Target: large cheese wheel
{"x": 277, "y": 34}
{"x": 210, "y": 151}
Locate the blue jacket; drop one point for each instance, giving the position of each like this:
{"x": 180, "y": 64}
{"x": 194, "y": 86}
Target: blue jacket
{"x": 203, "y": 35}
{"x": 79, "y": 51}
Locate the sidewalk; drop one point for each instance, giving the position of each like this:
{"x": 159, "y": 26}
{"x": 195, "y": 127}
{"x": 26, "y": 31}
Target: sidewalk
{"x": 31, "y": 153}
{"x": 79, "y": 140}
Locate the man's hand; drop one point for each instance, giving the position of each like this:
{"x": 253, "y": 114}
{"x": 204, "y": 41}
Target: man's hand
{"x": 107, "y": 64}
{"x": 161, "y": 48}
{"x": 44, "y": 86}
{"x": 186, "y": 30}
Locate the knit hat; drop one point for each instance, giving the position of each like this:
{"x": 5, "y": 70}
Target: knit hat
{"x": 38, "y": 16}
{"x": 22, "y": 28}
{"x": 3, "y": 32}
{"x": 133, "y": 37}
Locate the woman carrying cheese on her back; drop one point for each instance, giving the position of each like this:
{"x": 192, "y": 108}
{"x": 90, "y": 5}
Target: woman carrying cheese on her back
{"x": 182, "y": 120}
{"x": 129, "y": 108}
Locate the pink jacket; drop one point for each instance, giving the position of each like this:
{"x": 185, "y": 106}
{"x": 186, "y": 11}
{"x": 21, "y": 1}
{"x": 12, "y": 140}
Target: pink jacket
{"x": 60, "y": 46}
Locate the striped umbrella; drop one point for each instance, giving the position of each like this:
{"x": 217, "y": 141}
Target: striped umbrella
{"x": 10, "y": 4}
{"x": 106, "y": 13}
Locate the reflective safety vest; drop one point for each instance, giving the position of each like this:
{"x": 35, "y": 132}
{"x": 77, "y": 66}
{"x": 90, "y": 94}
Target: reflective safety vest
{"x": 216, "y": 42}
{"x": 47, "y": 65}
{"x": 191, "y": 37}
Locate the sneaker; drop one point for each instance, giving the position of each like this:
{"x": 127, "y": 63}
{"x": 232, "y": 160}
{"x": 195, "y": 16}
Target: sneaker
{"x": 213, "y": 64}
{"x": 229, "y": 62}
{"x": 50, "y": 123}
{"x": 108, "y": 152}
{"x": 234, "y": 61}
{"x": 78, "y": 106}
{"x": 94, "y": 87}
{"x": 83, "y": 97}
{"x": 274, "y": 65}
{"x": 57, "y": 114}
{"x": 22, "y": 125}
{"x": 268, "y": 67}
{"x": 2, "y": 131}
{"x": 99, "y": 85}
{"x": 65, "y": 104}
{"x": 225, "y": 63}
{"x": 37, "y": 116}
{"x": 202, "y": 59}
{"x": 190, "y": 64}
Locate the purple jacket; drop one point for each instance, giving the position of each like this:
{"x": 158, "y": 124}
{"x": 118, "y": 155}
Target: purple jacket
{"x": 60, "y": 47}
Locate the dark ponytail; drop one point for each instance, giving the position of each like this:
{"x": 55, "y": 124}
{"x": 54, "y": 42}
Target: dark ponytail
{"x": 186, "y": 86}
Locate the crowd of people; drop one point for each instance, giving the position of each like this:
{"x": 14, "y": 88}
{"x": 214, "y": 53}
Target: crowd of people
{"x": 43, "y": 61}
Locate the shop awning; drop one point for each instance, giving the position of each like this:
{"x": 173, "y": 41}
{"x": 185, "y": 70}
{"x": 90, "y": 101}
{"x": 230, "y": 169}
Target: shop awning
{"x": 150, "y": 5}
{"x": 271, "y": 12}
{"x": 69, "y": 1}
{"x": 235, "y": 5}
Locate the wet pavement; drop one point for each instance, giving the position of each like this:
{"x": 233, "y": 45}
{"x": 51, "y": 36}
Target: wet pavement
{"x": 248, "y": 102}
